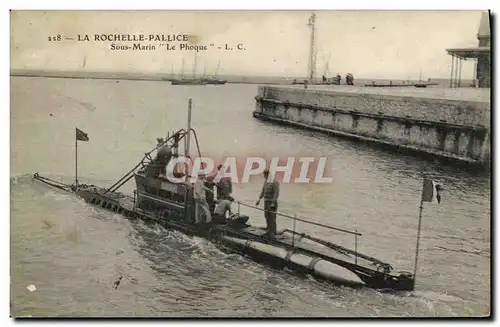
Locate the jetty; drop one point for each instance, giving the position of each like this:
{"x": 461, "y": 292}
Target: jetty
{"x": 446, "y": 123}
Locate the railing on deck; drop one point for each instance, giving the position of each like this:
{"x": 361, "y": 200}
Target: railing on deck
{"x": 294, "y": 218}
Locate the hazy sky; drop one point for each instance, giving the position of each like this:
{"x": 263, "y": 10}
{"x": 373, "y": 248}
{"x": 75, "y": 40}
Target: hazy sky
{"x": 372, "y": 44}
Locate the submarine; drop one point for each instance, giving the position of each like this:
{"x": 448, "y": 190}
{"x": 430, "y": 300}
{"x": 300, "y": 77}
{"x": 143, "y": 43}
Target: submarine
{"x": 157, "y": 199}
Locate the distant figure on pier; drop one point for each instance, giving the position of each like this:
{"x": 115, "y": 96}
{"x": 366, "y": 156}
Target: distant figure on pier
{"x": 349, "y": 79}
{"x": 338, "y": 78}
{"x": 323, "y": 78}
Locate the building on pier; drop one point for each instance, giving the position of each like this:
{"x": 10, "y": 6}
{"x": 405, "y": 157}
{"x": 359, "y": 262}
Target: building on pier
{"x": 480, "y": 54}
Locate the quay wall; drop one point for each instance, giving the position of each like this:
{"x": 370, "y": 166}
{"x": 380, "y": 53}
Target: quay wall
{"x": 450, "y": 128}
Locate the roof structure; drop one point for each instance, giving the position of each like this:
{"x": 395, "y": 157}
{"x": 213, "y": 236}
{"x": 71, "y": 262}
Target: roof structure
{"x": 482, "y": 34}
{"x": 468, "y": 53}
{"x": 481, "y": 54}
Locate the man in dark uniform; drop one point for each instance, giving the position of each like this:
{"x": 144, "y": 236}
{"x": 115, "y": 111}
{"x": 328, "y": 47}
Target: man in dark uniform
{"x": 224, "y": 186}
{"x": 157, "y": 167}
{"x": 270, "y": 192}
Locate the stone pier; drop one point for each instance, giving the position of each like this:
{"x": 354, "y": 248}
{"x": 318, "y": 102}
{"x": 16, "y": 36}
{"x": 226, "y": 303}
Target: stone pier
{"x": 447, "y": 123}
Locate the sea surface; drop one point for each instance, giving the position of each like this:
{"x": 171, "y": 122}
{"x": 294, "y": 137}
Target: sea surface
{"x": 73, "y": 253}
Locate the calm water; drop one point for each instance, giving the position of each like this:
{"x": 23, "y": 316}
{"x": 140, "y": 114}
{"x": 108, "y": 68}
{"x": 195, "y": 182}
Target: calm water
{"x": 73, "y": 253}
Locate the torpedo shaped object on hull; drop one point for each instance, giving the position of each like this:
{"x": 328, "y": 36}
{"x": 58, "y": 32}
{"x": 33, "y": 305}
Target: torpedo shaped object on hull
{"x": 331, "y": 271}
{"x": 261, "y": 247}
{"x": 325, "y": 269}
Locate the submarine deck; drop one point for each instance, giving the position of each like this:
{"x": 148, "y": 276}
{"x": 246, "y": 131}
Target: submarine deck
{"x": 284, "y": 239}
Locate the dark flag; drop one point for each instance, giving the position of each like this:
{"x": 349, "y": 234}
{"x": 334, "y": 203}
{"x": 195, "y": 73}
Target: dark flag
{"x": 431, "y": 191}
{"x": 81, "y": 136}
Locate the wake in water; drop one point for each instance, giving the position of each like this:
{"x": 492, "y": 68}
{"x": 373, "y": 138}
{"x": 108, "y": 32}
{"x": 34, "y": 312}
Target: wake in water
{"x": 476, "y": 251}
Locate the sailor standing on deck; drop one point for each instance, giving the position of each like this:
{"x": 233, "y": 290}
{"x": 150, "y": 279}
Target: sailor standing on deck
{"x": 201, "y": 204}
{"x": 224, "y": 186}
{"x": 209, "y": 184}
{"x": 270, "y": 192}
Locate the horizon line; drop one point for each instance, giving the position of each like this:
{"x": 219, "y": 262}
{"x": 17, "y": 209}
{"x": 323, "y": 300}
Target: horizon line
{"x": 82, "y": 73}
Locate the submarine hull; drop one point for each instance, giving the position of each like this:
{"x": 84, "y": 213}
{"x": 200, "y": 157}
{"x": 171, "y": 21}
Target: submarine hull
{"x": 247, "y": 241}
{"x": 282, "y": 258}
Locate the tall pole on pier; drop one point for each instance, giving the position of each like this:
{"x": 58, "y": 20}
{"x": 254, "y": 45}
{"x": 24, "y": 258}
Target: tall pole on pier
{"x": 312, "y": 52}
